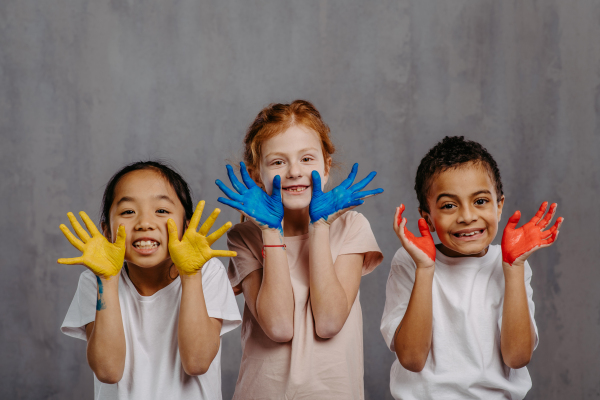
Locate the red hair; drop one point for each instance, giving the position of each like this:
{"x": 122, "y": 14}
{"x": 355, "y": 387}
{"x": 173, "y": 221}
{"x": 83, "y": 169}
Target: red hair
{"x": 276, "y": 118}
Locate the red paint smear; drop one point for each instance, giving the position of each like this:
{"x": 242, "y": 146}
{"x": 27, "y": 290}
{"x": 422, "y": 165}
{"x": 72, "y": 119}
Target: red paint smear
{"x": 518, "y": 241}
{"x": 424, "y": 243}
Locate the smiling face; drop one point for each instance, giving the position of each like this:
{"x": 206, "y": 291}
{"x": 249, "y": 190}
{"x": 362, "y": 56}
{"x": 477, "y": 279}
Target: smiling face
{"x": 464, "y": 210}
{"x": 293, "y": 155}
{"x": 143, "y": 202}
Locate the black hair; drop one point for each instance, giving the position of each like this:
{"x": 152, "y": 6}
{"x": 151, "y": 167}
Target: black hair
{"x": 452, "y": 152}
{"x": 175, "y": 180}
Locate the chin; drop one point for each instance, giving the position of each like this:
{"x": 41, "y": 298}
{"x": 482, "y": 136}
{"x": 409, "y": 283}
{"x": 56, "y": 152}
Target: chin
{"x": 296, "y": 203}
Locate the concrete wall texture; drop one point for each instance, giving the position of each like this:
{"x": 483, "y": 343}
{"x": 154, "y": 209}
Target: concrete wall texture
{"x": 88, "y": 86}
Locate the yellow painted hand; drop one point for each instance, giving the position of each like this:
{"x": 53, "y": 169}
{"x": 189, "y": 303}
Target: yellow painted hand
{"x": 190, "y": 254}
{"x": 103, "y": 258}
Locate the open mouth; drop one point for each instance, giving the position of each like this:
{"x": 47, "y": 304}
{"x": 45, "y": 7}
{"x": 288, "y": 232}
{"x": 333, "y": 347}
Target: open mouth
{"x": 470, "y": 234}
{"x": 145, "y": 246}
{"x": 295, "y": 189}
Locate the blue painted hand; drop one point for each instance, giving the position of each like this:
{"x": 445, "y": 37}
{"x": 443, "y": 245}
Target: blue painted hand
{"x": 264, "y": 210}
{"x": 329, "y": 206}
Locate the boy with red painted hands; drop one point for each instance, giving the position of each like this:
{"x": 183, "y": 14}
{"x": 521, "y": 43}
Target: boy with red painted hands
{"x": 460, "y": 315}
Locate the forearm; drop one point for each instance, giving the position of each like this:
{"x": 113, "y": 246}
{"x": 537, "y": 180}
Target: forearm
{"x": 412, "y": 341}
{"x": 106, "y": 341}
{"x": 198, "y": 334}
{"x": 329, "y": 301}
{"x": 517, "y": 337}
{"x": 275, "y": 299}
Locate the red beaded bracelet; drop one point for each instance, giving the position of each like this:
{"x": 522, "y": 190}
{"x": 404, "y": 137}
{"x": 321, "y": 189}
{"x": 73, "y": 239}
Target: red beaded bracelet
{"x": 271, "y": 245}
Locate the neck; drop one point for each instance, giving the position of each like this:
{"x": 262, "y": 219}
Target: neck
{"x": 295, "y": 222}
{"x": 452, "y": 253}
{"x": 148, "y": 281}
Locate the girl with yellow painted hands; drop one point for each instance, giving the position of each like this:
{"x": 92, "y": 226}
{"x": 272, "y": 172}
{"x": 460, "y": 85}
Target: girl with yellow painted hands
{"x": 152, "y": 323}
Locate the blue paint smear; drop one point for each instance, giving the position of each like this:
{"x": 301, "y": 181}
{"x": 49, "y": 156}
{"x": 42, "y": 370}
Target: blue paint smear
{"x": 100, "y": 304}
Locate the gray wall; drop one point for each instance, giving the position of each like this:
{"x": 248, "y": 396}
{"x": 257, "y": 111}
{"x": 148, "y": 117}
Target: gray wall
{"x": 87, "y": 86}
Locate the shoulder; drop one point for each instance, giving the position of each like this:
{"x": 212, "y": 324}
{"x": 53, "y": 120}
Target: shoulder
{"x": 212, "y": 269}
{"x": 87, "y": 279}
{"x": 351, "y": 221}
{"x": 244, "y": 232}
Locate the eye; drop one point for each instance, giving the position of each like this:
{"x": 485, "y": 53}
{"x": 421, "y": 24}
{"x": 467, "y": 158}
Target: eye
{"x": 481, "y": 202}
{"x": 127, "y": 212}
{"x": 162, "y": 211}
{"x": 307, "y": 159}
{"x": 277, "y": 162}
{"x": 447, "y": 206}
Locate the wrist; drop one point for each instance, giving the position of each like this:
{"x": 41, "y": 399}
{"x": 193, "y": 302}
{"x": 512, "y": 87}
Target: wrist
{"x": 320, "y": 225}
{"x": 272, "y": 236}
{"x": 193, "y": 279}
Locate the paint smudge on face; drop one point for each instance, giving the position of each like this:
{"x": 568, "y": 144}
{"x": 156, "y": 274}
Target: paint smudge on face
{"x": 100, "y": 304}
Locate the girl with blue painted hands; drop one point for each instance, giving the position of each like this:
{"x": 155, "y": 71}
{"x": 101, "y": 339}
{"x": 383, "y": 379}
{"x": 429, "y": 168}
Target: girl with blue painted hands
{"x": 300, "y": 258}
{"x": 154, "y": 301}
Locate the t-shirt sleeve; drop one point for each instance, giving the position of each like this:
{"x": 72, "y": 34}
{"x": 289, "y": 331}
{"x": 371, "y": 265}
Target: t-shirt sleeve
{"x": 530, "y": 303}
{"x": 246, "y": 240}
{"x": 397, "y": 294}
{"x": 218, "y": 295}
{"x": 83, "y": 307}
{"x": 359, "y": 239}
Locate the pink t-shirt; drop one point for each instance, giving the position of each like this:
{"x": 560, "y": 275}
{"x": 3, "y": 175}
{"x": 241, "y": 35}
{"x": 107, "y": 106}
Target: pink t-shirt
{"x": 307, "y": 367}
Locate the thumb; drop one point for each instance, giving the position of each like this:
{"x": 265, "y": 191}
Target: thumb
{"x": 316, "y": 181}
{"x": 172, "y": 227}
{"x": 424, "y": 228}
{"x": 120, "y": 242}
{"x": 513, "y": 220}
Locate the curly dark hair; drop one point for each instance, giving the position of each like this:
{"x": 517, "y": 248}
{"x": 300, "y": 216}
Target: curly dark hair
{"x": 452, "y": 152}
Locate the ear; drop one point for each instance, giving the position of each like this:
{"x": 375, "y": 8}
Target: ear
{"x": 325, "y": 179}
{"x": 106, "y": 231}
{"x": 500, "y": 206}
{"x": 427, "y": 217}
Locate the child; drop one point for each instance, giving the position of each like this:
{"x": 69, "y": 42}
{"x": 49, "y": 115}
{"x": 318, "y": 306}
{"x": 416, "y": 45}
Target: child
{"x": 300, "y": 259}
{"x": 460, "y": 318}
{"x": 153, "y": 332}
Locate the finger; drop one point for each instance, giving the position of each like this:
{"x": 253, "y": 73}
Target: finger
{"x": 316, "y": 183}
{"x": 223, "y": 253}
{"x": 363, "y": 183}
{"x": 355, "y": 203}
{"x": 246, "y": 177}
{"x": 209, "y": 222}
{"x": 237, "y": 185}
{"x": 173, "y": 234}
{"x": 70, "y": 261}
{"x": 276, "y": 193}
{"x": 89, "y": 224}
{"x": 538, "y": 215}
{"x": 71, "y": 238}
{"x": 228, "y": 192}
{"x": 120, "y": 242}
{"x": 366, "y": 193}
{"x": 83, "y": 235}
{"x": 552, "y": 239}
{"x": 546, "y": 220}
{"x": 218, "y": 233}
{"x": 424, "y": 228}
{"x": 348, "y": 181}
{"x": 401, "y": 209}
{"x": 513, "y": 220}
{"x": 231, "y": 203}
{"x": 196, "y": 216}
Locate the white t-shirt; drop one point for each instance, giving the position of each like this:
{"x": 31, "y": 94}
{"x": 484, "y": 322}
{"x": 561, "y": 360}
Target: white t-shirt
{"x": 465, "y": 361}
{"x": 153, "y": 367}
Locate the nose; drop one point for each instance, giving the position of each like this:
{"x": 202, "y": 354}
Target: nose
{"x": 467, "y": 215}
{"x": 144, "y": 222}
{"x": 294, "y": 171}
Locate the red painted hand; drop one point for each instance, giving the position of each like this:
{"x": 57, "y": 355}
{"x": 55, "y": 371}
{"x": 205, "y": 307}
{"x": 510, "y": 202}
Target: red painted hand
{"x": 421, "y": 249}
{"x": 519, "y": 243}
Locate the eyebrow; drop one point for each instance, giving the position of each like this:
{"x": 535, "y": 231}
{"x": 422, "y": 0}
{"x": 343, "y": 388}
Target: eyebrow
{"x": 276, "y": 153}
{"x": 157, "y": 197}
{"x": 453, "y": 196}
